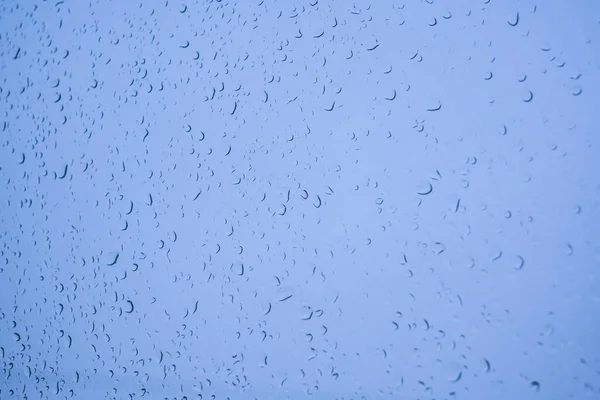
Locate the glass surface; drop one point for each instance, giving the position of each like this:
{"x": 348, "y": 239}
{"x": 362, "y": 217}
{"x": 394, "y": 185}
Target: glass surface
{"x": 299, "y": 199}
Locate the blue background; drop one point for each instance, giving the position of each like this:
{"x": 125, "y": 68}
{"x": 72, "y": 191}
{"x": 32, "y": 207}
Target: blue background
{"x": 290, "y": 200}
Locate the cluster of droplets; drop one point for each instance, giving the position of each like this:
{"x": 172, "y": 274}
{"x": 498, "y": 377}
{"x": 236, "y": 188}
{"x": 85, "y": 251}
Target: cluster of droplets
{"x": 271, "y": 200}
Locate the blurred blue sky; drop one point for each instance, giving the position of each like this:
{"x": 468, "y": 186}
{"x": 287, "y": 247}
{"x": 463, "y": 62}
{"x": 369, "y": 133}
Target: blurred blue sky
{"x": 299, "y": 200}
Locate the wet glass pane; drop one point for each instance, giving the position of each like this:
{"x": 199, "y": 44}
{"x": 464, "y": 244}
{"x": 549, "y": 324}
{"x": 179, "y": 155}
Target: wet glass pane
{"x": 299, "y": 199}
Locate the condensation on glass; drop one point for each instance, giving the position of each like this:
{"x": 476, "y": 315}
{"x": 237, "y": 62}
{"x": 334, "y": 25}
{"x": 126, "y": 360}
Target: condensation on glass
{"x": 299, "y": 200}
